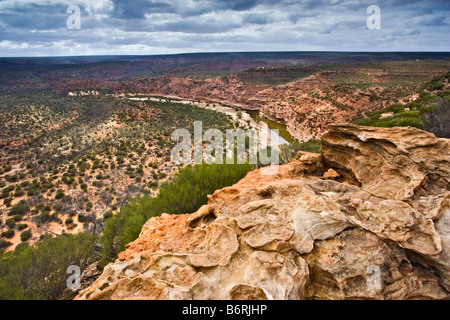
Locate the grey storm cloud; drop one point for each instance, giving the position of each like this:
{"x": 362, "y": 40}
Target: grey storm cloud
{"x": 38, "y": 27}
{"x": 139, "y": 8}
{"x": 33, "y": 15}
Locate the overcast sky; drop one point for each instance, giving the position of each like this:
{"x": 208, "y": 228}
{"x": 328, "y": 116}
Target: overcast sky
{"x": 113, "y": 27}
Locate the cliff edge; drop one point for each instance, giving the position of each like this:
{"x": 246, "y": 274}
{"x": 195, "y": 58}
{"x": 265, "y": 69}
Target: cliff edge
{"x": 368, "y": 218}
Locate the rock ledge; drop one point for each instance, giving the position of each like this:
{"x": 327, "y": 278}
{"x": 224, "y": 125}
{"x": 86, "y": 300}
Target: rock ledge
{"x": 376, "y": 225}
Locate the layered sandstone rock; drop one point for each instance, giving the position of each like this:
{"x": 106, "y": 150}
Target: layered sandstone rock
{"x": 376, "y": 226}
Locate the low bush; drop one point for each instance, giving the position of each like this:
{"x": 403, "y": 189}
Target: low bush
{"x": 402, "y": 119}
{"x": 107, "y": 215}
{"x": 7, "y": 202}
{"x": 20, "y": 209}
{"x": 40, "y": 271}
{"x": 26, "y": 235}
{"x": 46, "y": 217}
{"x": 3, "y": 245}
{"x": 59, "y": 194}
{"x": 21, "y": 246}
{"x": 68, "y": 221}
{"x": 81, "y": 217}
{"x": 10, "y": 223}
{"x": 8, "y": 234}
{"x": 21, "y": 226}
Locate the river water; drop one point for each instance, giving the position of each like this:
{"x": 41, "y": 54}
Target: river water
{"x": 284, "y": 135}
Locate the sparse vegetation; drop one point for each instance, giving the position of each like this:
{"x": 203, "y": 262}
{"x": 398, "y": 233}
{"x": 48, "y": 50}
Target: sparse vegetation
{"x": 430, "y": 111}
{"x": 44, "y": 180}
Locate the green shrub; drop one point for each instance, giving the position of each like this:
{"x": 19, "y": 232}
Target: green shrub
{"x": 8, "y": 189}
{"x": 20, "y": 209}
{"x": 32, "y": 192}
{"x": 152, "y": 184}
{"x": 21, "y": 246}
{"x": 72, "y": 213}
{"x": 10, "y": 223}
{"x": 8, "y": 234}
{"x": 414, "y": 105}
{"x": 68, "y": 221}
{"x": 434, "y": 86}
{"x": 26, "y": 235}
{"x": 312, "y": 145}
{"x": 430, "y": 98}
{"x": 107, "y": 215}
{"x": 427, "y": 109}
{"x": 40, "y": 271}
{"x": 25, "y": 184}
{"x": 21, "y": 226}
{"x": 396, "y": 108}
{"x": 19, "y": 193}
{"x": 59, "y": 194}
{"x": 44, "y": 217}
{"x": 3, "y": 245}
{"x": 403, "y": 119}
{"x": 7, "y": 202}
{"x": 12, "y": 178}
{"x": 400, "y": 119}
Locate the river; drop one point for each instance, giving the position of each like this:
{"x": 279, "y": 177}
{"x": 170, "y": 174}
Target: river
{"x": 284, "y": 137}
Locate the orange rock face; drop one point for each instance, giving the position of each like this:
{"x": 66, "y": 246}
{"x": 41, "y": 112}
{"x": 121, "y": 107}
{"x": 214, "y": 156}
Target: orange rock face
{"x": 376, "y": 226}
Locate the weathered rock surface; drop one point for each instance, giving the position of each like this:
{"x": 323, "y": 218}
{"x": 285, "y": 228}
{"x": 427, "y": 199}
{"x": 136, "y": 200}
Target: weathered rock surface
{"x": 377, "y": 227}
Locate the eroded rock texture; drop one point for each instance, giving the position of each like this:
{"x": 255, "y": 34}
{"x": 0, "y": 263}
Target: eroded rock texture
{"x": 376, "y": 226}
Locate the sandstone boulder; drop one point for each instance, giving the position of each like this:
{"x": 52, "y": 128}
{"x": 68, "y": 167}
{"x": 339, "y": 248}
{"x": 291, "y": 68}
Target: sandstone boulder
{"x": 376, "y": 226}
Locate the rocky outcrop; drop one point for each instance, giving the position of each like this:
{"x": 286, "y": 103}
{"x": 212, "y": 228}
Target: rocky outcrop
{"x": 375, "y": 226}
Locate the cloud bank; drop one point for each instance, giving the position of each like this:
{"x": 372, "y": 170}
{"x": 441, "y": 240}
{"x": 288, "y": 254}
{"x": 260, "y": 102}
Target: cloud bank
{"x": 111, "y": 27}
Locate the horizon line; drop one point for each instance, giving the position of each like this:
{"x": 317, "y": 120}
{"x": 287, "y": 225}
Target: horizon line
{"x": 221, "y": 52}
